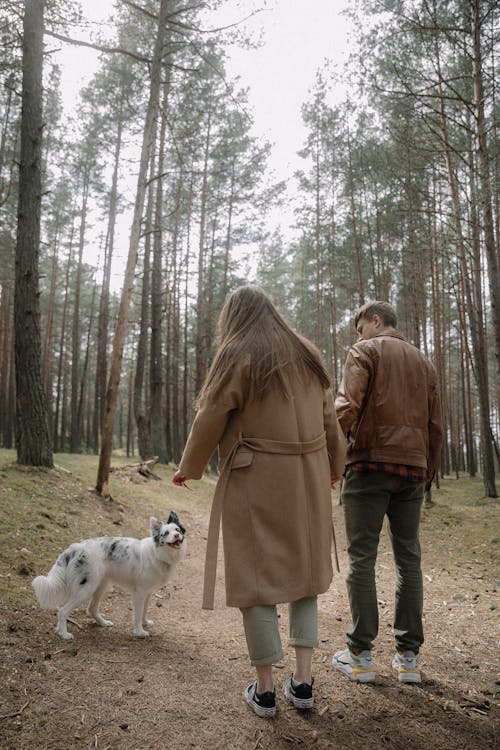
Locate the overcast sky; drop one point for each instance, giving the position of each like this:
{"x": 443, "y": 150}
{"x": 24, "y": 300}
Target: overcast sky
{"x": 297, "y": 36}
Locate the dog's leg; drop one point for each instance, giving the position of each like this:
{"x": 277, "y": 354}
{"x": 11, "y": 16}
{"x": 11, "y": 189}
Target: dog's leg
{"x": 62, "y": 617}
{"x": 139, "y": 601}
{"x": 146, "y": 623}
{"x": 93, "y": 608}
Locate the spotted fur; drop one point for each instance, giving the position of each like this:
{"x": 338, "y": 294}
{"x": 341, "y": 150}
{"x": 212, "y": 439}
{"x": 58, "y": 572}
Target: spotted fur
{"x": 83, "y": 572}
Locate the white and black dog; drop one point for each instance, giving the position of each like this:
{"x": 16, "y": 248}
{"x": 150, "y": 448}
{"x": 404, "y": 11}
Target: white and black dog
{"x": 85, "y": 570}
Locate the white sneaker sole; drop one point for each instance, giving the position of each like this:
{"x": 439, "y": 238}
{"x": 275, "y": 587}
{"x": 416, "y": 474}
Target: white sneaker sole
{"x": 300, "y": 703}
{"x": 409, "y": 677}
{"x": 357, "y": 675}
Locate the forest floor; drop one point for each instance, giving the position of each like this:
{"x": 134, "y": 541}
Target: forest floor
{"x": 182, "y": 687}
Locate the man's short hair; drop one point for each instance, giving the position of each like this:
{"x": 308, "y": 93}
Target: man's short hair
{"x": 383, "y": 309}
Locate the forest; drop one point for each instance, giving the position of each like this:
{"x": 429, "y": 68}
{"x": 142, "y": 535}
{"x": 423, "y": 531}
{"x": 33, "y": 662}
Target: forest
{"x": 397, "y": 199}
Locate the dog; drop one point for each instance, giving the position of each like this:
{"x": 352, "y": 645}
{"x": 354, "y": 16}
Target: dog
{"x": 85, "y": 570}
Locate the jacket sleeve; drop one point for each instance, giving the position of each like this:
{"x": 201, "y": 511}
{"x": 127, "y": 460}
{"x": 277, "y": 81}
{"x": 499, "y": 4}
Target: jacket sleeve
{"x": 210, "y": 423}
{"x": 335, "y": 440}
{"x": 435, "y": 429}
{"x": 358, "y": 372}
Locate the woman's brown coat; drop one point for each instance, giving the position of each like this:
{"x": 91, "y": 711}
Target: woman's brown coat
{"x": 276, "y": 509}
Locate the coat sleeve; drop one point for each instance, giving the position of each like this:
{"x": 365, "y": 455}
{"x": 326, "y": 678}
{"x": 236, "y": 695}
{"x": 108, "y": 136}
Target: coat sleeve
{"x": 210, "y": 423}
{"x": 335, "y": 440}
{"x": 435, "y": 428}
{"x": 358, "y": 372}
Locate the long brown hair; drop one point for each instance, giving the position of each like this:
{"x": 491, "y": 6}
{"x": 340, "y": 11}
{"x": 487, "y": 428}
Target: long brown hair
{"x": 251, "y": 327}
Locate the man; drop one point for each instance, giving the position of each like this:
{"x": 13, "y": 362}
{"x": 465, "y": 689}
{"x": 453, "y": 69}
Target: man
{"x": 388, "y": 408}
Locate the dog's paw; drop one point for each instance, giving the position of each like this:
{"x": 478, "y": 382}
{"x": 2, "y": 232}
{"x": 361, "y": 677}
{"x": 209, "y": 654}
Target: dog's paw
{"x": 142, "y": 633}
{"x": 65, "y": 636}
{"x": 105, "y": 623}
{"x": 148, "y": 623}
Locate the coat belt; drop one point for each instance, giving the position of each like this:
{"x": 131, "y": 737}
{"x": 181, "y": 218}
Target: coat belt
{"x": 260, "y": 445}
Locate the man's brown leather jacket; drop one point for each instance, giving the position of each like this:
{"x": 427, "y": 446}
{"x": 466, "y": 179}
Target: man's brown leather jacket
{"x": 388, "y": 404}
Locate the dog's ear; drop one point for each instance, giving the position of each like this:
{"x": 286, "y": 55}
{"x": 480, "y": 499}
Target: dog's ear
{"x": 154, "y": 526}
{"x": 174, "y": 518}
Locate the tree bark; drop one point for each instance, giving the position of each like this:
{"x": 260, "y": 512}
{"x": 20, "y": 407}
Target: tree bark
{"x": 121, "y": 325}
{"x": 6, "y": 355}
{"x": 103, "y": 324}
{"x": 141, "y": 410}
{"x": 355, "y": 232}
{"x": 156, "y": 367}
{"x": 76, "y": 335}
{"x": 474, "y": 311}
{"x": 32, "y": 438}
{"x": 485, "y": 184}
{"x": 201, "y": 302}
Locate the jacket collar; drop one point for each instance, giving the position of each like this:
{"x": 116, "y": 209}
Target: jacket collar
{"x": 393, "y": 334}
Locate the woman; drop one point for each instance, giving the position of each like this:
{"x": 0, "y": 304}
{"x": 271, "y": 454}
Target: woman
{"x": 266, "y": 403}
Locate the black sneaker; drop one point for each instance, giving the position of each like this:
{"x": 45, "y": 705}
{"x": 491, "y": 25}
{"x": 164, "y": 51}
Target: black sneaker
{"x": 301, "y": 695}
{"x": 263, "y": 704}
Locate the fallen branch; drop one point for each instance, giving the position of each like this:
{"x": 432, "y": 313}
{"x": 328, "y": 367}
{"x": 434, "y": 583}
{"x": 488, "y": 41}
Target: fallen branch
{"x": 142, "y": 468}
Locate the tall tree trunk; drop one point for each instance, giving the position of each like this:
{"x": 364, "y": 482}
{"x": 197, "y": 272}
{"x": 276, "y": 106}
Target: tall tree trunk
{"x": 156, "y": 399}
{"x": 59, "y": 427}
{"x": 6, "y": 364}
{"x": 76, "y": 343}
{"x": 173, "y": 427}
{"x": 83, "y": 379}
{"x": 130, "y": 421}
{"x": 32, "y": 438}
{"x": 174, "y": 398}
{"x": 103, "y": 322}
{"x": 201, "y": 302}
{"x": 229, "y": 228}
{"x": 355, "y": 232}
{"x": 185, "y": 347}
{"x": 135, "y": 234}
{"x": 317, "y": 240}
{"x": 411, "y": 254}
{"x": 48, "y": 343}
{"x": 474, "y": 314}
{"x": 484, "y": 180}
{"x": 141, "y": 410}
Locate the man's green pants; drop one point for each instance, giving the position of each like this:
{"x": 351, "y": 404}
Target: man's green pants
{"x": 367, "y": 498}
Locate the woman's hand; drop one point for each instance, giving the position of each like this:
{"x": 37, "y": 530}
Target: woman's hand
{"x": 180, "y": 480}
{"x": 334, "y": 481}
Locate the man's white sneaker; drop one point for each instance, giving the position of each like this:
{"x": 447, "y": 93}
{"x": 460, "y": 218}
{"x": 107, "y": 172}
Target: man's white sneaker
{"x": 358, "y": 667}
{"x": 407, "y": 667}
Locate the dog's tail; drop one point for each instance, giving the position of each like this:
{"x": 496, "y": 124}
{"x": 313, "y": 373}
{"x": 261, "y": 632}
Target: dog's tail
{"x": 50, "y": 589}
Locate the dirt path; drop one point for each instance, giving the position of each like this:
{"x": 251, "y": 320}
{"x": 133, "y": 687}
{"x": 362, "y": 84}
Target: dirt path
{"x": 182, "y": 687}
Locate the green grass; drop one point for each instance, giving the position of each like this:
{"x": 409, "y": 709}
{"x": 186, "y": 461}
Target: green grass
{"x": 462, "y": 492}
{"x": 42, "y": 511}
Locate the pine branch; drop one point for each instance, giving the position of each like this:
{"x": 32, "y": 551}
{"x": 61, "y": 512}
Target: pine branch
{"x": 220, "y": 28}
{"x": 186, "y": 26}
{"x": 134, "y": 6}
{"x": 98, "y": 47}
